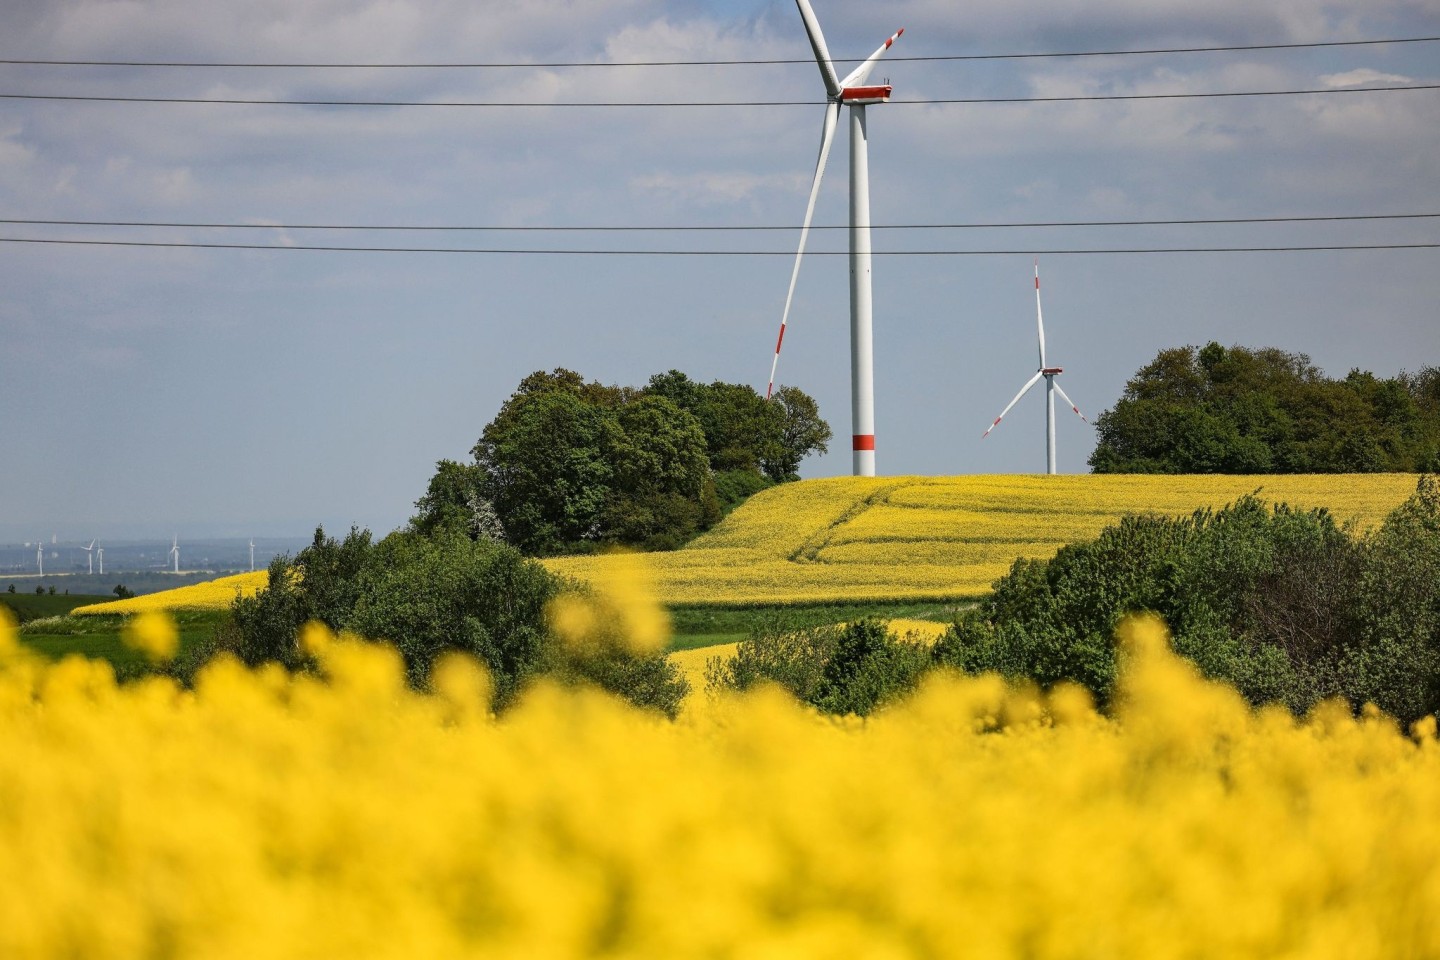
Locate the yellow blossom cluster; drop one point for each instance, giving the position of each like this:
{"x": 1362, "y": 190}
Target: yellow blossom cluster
{"x": 266, "y": 815}
{"x": 210, "y": 595}
{"x": 938, "y": 538}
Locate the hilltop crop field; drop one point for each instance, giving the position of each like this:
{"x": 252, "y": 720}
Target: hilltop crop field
{"x": 944, "y": 538}
{"x": 262, "y": 814}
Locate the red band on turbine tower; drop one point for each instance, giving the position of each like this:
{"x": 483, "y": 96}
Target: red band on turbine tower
{"x": 864, "y": 441}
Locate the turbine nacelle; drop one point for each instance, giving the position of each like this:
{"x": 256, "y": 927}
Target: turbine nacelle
{"x": 1051, "y": 371}
{"x": 864, "y": 95}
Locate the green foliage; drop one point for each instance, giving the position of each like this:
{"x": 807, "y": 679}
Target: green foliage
{"x": 549, "y": 468}
{"x": 1236, "y": 410}
{"x": 802, "y": 432}
{"x": 734, "y": 487}
{"x": 455, "y": 503}
{"x": 123, "y": 592}
{"x": 1283, "y": 604}
{"x": 567, "y": 466}
{"x": 850, "y": 668}
{"x": 428, "y": 595}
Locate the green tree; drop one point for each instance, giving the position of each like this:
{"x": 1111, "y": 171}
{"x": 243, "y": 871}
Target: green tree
{"x": 429, "y": 595}
{"x": 802, "y": 432}
{"x": 1237, "y": 410}
{"x": 549, "y": 469}
{"x": 1284, "y": 604}
{"x": 455, "y": 502}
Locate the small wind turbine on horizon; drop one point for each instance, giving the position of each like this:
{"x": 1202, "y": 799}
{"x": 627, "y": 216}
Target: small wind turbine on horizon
{"x": 101, "y": 558}
{"x": 40, "y": 556}
{"x": 1051, "y": 387}
{"x": 90, "y": 556}
{"x": 851, "y": 92}
{"x": 252, "y": 554}
{"x": 175, "y": 552}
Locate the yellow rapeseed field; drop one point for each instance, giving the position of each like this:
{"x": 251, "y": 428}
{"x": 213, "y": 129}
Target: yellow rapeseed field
{"x": 941, "y": 538}
{"x": 265, "y": 815}
{"x": 211, "y": 595}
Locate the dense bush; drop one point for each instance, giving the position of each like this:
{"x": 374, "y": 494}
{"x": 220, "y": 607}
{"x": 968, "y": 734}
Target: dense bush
{"x": 1284, "y": 604}
{"x": 846, "y": 669}
{"x": 428, "y": 595}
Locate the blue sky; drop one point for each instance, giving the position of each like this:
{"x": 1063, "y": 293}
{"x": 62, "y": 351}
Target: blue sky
{"x": 149, "y": 391}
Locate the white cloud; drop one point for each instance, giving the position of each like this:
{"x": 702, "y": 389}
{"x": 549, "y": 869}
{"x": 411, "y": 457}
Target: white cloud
{"x": 1362, "y": 77}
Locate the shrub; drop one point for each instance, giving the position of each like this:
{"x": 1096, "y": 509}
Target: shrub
{"x": 428, "y": 595}
{"x": 1284, "y": 604}
{"x": 851, "y": 668}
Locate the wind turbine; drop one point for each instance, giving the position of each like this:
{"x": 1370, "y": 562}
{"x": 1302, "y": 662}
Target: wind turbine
{"x": 90, "y": 555}
{"x": 175, "y": 552}
{"x": 1051, "y": 387}
{"x": 40, "y": 556}
{"x": 101, "y": 558}
{"x": 852, "y": 93}
{"x": 252, "y": 554}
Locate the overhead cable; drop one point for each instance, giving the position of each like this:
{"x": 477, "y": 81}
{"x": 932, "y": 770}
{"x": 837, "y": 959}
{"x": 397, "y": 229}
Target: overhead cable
{"x": 497, "y": 251}
{"x": 441, "y": 228}
{"x": 1076, "y": 98}
{"x": 1236, "y": 48}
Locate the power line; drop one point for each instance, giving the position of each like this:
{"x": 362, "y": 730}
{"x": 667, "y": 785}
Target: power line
{"x": 704, "y": 63}
{"x": 1078, "y": 98}
{"x": 496, "y": 251}
{"x": 440, "y": 228}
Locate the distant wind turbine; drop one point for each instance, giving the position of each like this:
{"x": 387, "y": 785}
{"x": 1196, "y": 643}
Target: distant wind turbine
{"x": 175, "y": 553}
{"x": 101, "y": 558}
{"x": 40, "y": 556}
{"x": 252, "y": 554}
{"x": 1051, "y": 387}
{"x": 90, "y": 555}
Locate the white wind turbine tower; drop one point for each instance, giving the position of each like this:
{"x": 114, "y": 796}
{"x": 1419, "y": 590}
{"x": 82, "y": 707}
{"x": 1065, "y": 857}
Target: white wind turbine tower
{"x": 90, "y": 556}
{"x": 40, "y": 556}
{"x": 101, "y": 558}
{"x": 175, "y": 552}
{"x": 252, "y": 554}
{"x": 852, "y": 93}
{"x": 1051, "y": 387}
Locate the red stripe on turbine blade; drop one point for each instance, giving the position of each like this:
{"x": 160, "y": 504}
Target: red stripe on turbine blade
{"x": 864, "y": 441}
{"x": 781, "y": 339}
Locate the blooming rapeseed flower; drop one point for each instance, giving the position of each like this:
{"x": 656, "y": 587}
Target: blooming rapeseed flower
{"x": 342, "y": 813}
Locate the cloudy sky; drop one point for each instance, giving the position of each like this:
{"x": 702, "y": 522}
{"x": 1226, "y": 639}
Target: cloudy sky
{"x": 151, "y": 390}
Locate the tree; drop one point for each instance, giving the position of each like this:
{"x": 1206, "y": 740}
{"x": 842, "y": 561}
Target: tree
{"x": 1284, "y": 604}
{"x": 548, "y": 468}
{"x": 429, "y": 595}
{"x": 455, "y": 502}
{"x": 1237, "y": 410}
{"x": 568, "y": 465}
{"x": 802, "y": 432}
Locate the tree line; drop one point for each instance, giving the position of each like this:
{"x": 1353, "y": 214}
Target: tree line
{"x": 1236, "y": 410}
{"x": 568, "y": 465}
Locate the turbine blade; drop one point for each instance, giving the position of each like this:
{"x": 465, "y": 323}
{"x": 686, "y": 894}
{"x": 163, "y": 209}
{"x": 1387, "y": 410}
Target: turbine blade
{"x": 817, "y": 43}
{"x": 827, "y": 134}
{"x": 1023, "y": 390}
{"x": 1039, "y": 317}
{"x": 1069, "y": 401}
{"x": 859, "y": 75}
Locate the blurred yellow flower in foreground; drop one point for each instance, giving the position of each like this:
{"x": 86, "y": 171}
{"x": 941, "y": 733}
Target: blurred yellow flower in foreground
{"x": 153, "y": 634}
{"x": 620, "y": 609}
{"x": 343, "y": 814}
